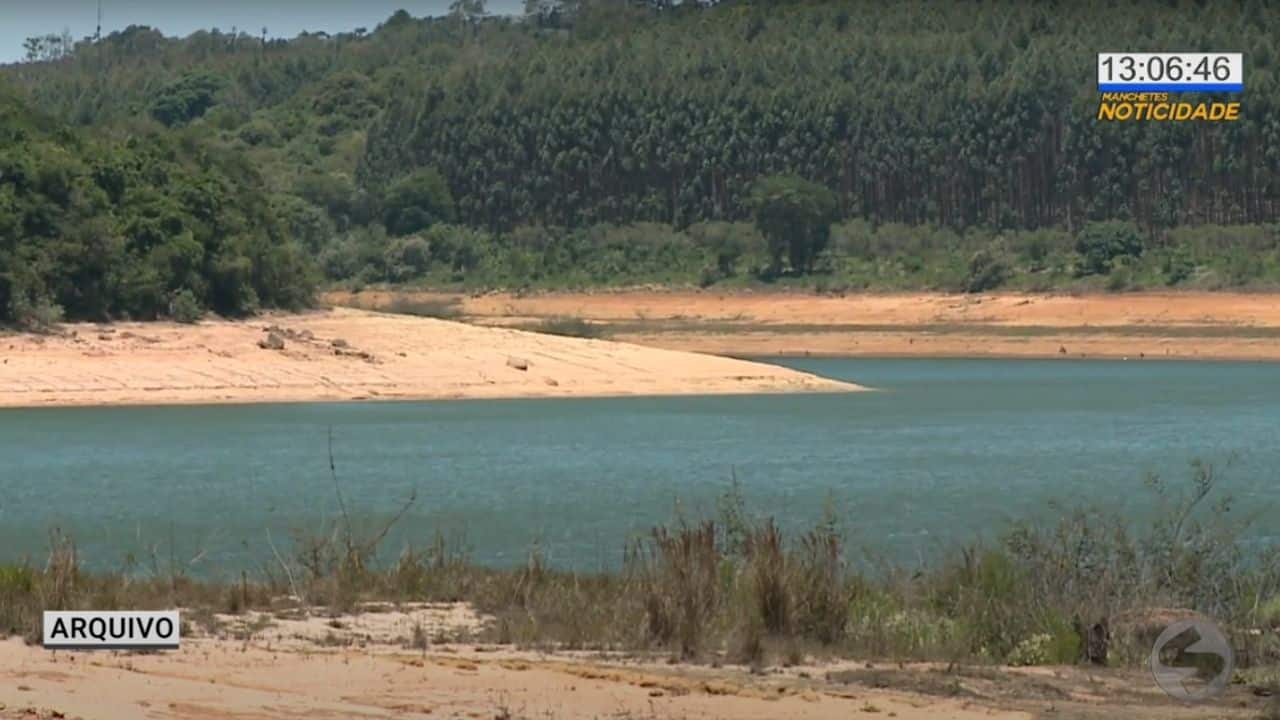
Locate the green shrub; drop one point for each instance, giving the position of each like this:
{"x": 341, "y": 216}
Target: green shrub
{"x": 987, "y": 271}
{"x": 854, "y": 238}
{"x": 184, "y": 307}
{"x": 341, "y": 260}
{"x": 407, "y": 258}
{"x": 1101, "y": 243}
{"x": 1057, "y": 643}
{"x": 727, "y": 244}
{"x": 417, "y": 201}
{"x": 16, "y": 580}
{"x": 1242, "y": 267}
{"x": 1269, "y": 612}
{"x": 19, "y": 589}
{"x": 259, "y": 132}
{"x": 39, "y": 315}
{"x": 882, "y": 623}
{"x": 187, "y": 98}
{"x": 1179, "y": 265}
{"x": 985, "y": 592}
{"x": 1120, "y": 279}
{"x": 1037, "y": 248}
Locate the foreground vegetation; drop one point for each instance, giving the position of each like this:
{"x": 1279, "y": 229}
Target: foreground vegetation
{"x": 1091, "y": 587}
{"x": 836, "y": 145}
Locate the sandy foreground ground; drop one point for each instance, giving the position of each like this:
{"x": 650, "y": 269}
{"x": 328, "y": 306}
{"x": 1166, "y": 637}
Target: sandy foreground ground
{"x": 1134, "y": 325}
{"x": 346, "y": 354}
{"x": 362, "y": 666}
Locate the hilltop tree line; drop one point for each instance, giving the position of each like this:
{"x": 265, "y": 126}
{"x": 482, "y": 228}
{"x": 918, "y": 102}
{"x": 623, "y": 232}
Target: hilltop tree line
{"x": 936, "y": 144}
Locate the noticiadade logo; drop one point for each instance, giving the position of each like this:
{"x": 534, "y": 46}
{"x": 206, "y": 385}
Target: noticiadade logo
{"x": 1141, "y": 86}
{"x": 1128, "y": 106}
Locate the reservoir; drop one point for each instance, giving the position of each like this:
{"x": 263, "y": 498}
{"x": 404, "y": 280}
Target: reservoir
{"x": 943, "y": 452}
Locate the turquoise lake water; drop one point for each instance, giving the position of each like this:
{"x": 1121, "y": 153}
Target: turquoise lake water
{"x": 946, "y": 451}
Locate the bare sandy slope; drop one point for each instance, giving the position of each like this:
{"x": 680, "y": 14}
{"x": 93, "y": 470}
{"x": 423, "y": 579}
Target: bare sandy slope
{"x": 214, "y": 679}
{"x": 350, "y": 354}
{"x": 359, "y": 666}
{"x": 1152, "y": 325}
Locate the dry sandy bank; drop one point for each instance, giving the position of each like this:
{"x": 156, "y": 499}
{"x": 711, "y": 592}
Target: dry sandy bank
{"x": 212, "y": 679}
{"x": 348, "y": 354}
{"x": 1153, "y": 325}
{"x": 267, "y": 667}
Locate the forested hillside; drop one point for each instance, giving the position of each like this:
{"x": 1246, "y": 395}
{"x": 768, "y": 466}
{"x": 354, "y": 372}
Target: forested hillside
{"x": 154, "y": 225}
{"x": 605, "y": 142}
{"x": 958, "y": 114}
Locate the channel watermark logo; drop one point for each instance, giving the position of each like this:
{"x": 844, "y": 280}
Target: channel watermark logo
{"x": 1192, "y": 660}
{"x": 111, "y": 630}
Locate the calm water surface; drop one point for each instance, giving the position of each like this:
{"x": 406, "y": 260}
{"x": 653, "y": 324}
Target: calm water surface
{"x": 945, "y": 451}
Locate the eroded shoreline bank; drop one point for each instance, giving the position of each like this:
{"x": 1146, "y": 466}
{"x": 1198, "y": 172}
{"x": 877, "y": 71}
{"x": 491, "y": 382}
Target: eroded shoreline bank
{"x": 1191, "y": 325}
{"x": 344, "y": 354}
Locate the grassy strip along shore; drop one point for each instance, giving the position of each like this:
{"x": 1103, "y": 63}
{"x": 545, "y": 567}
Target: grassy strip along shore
{"x": 1092, "y": 587}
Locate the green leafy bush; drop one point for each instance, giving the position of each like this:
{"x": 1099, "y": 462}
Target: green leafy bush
{"x": 407, "y": 258}
{"x": 1179, "y": 266}
{"x": 40, "y": 314}
{"x": 1100, "y": 244}
{"x": 186, "y": 99}
{"x": 987, "y": 271}
{"x": 184, "y": 307}
{"x": 417, "y": 201}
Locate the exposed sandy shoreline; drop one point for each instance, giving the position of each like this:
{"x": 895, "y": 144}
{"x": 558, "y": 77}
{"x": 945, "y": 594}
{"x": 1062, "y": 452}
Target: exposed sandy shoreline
{"x": 226, "y": 680}
{"x": 1197, "y": 325}
{"x": 354, "y": 355}
{"x": 406, "y": 357}
{"x": 264, "y": 666}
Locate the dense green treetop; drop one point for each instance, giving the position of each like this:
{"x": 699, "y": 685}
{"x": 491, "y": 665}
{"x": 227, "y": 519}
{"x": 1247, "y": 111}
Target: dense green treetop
{"x": 795, "y": 217}
{"x": 104, "y": 230}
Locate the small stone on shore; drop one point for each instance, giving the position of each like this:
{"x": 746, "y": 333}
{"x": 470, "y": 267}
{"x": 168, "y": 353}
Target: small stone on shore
{"x": 273, "y": 341}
